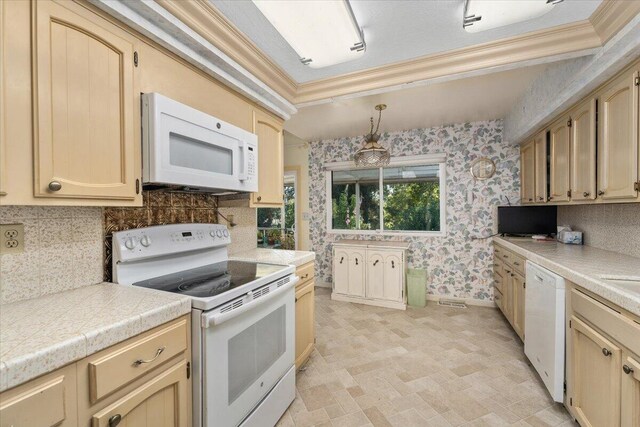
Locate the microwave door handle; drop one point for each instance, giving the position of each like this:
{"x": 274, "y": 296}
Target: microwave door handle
{"x": 244, "y": 161}
{"x": 215, "y": 319}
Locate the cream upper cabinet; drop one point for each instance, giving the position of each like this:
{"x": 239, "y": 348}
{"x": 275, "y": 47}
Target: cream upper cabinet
{"x": 270, "y": 161}
{"x": 559, "y": 160}
{"x": 618, "y": 138}
{"x": 540, "y": 148}
{"x": 583, "y": 151}
{"x": 596, "y": 364}
{"x": 630, "y": 390}
{"x": 527, "y": 172}
{"x": 85, "y": 114}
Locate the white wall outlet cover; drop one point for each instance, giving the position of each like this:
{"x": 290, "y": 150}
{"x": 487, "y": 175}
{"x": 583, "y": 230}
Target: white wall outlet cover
{"x": 11, "y": 238}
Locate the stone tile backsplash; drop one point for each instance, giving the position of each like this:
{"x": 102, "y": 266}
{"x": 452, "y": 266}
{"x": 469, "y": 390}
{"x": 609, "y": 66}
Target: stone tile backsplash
{"x": 62, "y": 250}
{"x": 612, "y": 227}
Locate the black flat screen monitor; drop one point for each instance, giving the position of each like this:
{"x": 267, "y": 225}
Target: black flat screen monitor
{"x": 520, "y": 220}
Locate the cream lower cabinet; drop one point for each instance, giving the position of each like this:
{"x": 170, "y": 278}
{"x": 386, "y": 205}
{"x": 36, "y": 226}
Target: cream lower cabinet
{"x": 510, "y": 287}
{"x": 305, "y": 314}
{"x": 142, "y": 382}
{"x": 369, "y": 275}
{"x": 603, "y": 362}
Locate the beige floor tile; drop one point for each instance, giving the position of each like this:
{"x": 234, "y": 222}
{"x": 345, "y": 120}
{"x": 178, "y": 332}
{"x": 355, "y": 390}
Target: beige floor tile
{"x": 430, "y": 367}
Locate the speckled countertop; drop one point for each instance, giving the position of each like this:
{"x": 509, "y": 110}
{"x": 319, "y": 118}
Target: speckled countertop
{"x": 42, "y": 334}
{"x": 584, "y": 266}
{"x": 275, "y": 256}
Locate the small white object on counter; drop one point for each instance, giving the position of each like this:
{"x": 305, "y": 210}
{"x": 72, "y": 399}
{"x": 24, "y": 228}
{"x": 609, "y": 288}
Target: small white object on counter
{"x": 43, "y": 334}
{"x": 275, "y": 256}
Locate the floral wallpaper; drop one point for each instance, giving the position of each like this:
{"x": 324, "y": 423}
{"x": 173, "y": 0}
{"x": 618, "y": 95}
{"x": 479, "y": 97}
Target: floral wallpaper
{"x": 457, "y": 265}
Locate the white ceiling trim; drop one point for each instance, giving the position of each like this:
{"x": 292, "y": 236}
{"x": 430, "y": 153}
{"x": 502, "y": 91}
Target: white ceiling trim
{"x": 155, "y": 22}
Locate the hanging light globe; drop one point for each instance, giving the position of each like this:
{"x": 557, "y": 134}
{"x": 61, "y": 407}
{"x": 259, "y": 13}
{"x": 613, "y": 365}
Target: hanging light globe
{"x": 373, "y": 154}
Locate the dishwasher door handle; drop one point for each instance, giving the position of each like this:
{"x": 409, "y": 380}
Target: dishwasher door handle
{"x": 214, "y": 319}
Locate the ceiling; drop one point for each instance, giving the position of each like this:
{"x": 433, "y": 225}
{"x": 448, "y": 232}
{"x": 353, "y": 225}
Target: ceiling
{"x": 484, "y": 97}
{"x": 395, "y": 31}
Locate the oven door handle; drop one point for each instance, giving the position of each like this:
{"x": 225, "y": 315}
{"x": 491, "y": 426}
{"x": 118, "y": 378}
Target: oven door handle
{"x": 214, "y": 319}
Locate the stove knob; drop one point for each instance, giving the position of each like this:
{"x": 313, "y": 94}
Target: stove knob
{"x": 130, "y": 243}
{"x": 212, "y": 234}
{"x": 219, "y": 233}
{"x": 145, "y": 241}
{"x": 226, "y": 233}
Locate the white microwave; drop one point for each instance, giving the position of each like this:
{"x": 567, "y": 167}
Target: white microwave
{"x": 184, "y": 147}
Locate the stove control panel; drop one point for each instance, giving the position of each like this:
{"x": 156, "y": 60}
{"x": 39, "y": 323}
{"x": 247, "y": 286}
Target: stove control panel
{"x": 170, "y": 239}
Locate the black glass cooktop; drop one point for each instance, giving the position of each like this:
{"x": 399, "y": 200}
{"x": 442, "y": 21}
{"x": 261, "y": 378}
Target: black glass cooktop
{"x": 210, "y": 280}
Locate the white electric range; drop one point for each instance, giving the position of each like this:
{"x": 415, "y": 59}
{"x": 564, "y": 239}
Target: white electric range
{"x": 243, "y": 318}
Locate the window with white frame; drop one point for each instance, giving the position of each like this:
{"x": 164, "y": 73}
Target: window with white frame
{"x": 407, "y": 196}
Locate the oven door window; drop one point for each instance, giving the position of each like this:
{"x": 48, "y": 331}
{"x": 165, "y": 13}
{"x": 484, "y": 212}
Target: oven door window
{"x": 253, "y": 351}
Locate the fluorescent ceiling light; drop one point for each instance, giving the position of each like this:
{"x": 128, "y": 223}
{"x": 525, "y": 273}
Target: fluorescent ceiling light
{"x": 322, "y": 32}
{"x": 480, "y": 15}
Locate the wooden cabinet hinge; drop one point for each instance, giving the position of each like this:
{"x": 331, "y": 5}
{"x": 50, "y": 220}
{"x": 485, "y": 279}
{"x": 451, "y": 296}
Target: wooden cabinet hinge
{"x": 636, "y": 81}
{"x": 135, "y": 58}
{"x": 137, "y": 186}
{"x": 188, "y": 370}
{"x": 571, "y": 401}
{"x": 569, "y": 324}
{"x": 569, "y": 123}
{"x": 568, "y": 193}
{"x": 636, "y": 186}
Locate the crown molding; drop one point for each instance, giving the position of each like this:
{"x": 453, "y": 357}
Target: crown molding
{"x": 611, "y": 16}
{"x": 559, "y": 40}
{"x": 202, "y": 17}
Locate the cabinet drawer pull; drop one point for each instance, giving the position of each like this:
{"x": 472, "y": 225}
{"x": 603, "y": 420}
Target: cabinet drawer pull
{"x": 341, "y": 259}
{"x": 538, "y": 278}
{"x": 586, "y": 194}
{"x": 55, "y": 186}
{"x": 627, "y": 370}
{"x": 393, "y": 264}
{"x": 601, "y": 193}
{"x": 507, "y": 271}
{"x": 115, "y": 420}
{"x": 606, "y": 351}
{"x": 305, "y": 276}
{"x": 541, "y": 198}
{"x": 505, "y": 256}
{"x": 375, "y": 262}
{"x": 141, "y": 361}
{"x": 516, "y": 263}
{"x": 356, "y": 261}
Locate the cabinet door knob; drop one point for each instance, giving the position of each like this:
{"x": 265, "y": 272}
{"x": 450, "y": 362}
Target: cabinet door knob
{"x": 115, "y": 420}
{"x": 627, "y": 370}
{"x": 531, "y": 200}
{"x": 541, "y": 198}
{"x": 606, "y": 352}
{"x": 55, "y": 186}
{"x": 341, "y": 259}
{"x": 601, "y": 193}
{"x": 586, "y": 194}
{"x": 259, "y": 198}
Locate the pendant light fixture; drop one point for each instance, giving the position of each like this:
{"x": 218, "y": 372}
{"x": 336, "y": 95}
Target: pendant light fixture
{"x": 373, "y": 154}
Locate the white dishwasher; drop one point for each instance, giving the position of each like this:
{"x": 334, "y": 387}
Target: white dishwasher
{"x": 544, "y": 327}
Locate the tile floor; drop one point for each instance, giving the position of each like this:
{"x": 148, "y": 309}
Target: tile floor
{"x": 424, "y": 367}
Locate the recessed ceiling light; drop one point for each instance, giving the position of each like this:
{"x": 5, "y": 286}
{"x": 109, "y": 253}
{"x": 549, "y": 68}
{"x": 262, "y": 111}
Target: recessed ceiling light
{"x": 480, "y": 15}
{"x": 322, "y": 32}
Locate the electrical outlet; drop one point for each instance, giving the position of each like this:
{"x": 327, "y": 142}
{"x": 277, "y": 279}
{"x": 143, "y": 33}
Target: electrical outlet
{"x": 11, "y": 238}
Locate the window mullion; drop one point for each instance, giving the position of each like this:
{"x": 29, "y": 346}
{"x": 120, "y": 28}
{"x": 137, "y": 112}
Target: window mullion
{"x": 357, "y": 207}
{"x": 381, "y": 192}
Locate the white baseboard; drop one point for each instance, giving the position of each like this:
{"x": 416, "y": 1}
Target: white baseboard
{"x": 468, "y": 301}
{"x": 377, "y": 303}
